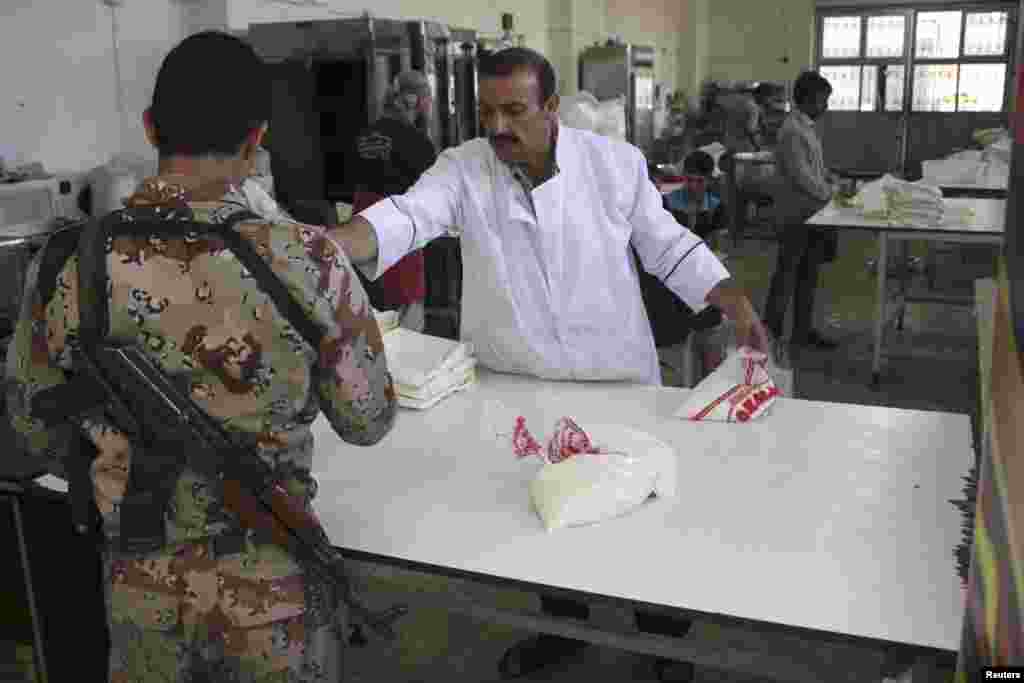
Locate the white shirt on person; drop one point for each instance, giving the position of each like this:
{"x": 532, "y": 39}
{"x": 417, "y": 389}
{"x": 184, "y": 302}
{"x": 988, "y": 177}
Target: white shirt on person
{"x": 550, "y": 288}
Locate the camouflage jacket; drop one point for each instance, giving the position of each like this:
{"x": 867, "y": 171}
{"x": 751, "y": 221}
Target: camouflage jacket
{"x": 198, "y": 313}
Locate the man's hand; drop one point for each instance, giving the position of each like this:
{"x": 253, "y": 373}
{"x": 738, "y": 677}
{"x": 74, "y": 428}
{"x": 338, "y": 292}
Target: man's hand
{"x": 750, "y": 331}
{"x": 357, "y": 239}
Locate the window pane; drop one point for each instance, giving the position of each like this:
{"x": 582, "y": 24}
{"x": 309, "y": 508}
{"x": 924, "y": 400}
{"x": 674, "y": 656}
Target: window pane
{"x": 840, "y": 37}
{"x": 845, "y": 81}
{"x": 982, "y": 87}
{"x": 885, "y": 36}
{"x": 868, "y": 88}
{"x": 935, "y": 87}
{"x": 938, "y": 35}
{"x": 985, "y": 34}
{"x": 894, "y": 88}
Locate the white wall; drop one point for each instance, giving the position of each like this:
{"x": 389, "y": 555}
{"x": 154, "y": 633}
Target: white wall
{"x": 59, "y": 103}
{"x": 481, "y": 15}
{"x": 61, "y": 108}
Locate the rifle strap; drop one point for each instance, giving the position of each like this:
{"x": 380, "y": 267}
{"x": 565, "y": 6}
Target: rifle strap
{"x": 93, "y": 289}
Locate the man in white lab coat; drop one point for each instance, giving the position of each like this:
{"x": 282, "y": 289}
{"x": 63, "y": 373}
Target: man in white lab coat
{"x": 547, "y": 215}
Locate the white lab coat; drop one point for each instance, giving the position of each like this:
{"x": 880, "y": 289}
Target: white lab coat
{"x": 558, "y": 296}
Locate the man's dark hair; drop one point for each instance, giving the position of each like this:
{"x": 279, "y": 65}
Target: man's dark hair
{"x": 506, "y": 62}
{"x": 808, "y": 84}
{"x": 211, "y": 91}
{"x": 766, "y": 91}
{"x": 699, "y": 162}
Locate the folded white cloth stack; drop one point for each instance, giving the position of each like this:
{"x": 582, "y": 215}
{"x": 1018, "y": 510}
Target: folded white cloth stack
{"x": 427, "y": 369}
{"x": 898, "y": 201}
{"x": 740, "y": 390}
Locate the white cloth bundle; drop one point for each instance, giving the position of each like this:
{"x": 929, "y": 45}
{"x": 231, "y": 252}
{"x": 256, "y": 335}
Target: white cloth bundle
{"x": 426, "y": 369}
{"x": 899, "y": 201}
{"x": 592, "y": 476}
{"x": 740, "y": 390}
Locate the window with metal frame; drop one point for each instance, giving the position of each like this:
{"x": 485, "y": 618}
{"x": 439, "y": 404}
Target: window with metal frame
{"x": 863, "y": 56}
{"x": 958, "y": 58}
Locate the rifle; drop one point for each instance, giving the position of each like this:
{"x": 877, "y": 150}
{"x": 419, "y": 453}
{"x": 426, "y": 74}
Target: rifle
{"x": 173, "y": 432}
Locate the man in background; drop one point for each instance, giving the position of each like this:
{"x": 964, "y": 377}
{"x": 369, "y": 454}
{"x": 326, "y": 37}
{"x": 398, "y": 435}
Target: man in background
{"x": 389, "y": 157}
{"x": 802, "y": 190}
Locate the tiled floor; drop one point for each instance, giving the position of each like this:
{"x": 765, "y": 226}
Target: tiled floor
{"x": 940, "y": 373}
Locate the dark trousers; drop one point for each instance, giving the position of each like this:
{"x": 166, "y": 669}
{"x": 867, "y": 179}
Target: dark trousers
{"x": 801, "y": 253}
{"x": 645, "y": 621}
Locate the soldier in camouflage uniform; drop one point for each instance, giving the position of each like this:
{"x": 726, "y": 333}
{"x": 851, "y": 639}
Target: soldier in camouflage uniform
{"x": 218, "y": 603}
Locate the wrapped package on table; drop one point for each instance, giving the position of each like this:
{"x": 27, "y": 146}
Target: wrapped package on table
{"x": 740, "y": 390}
{"x": 592, "y": 476}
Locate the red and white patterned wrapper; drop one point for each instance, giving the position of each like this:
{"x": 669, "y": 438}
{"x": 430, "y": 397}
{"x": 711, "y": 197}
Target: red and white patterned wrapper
{"x": 566, "y": 441}
{"x": 740, "y": 390}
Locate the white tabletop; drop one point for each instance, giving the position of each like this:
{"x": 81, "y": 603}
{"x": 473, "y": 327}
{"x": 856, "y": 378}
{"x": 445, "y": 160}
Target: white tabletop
{"x": 824, "y": 516}
{"x": 989, "y": 218}
{"x": 971, "y": 186}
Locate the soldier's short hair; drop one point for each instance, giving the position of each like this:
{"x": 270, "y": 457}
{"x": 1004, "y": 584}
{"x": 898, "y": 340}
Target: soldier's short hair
{"x": 212, "y": 90}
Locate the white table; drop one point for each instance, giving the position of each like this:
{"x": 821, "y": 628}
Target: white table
{"x": 828, "y": 521}
{"x": 986, "y": 227}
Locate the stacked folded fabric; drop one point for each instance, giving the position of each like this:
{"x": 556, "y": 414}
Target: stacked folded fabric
{"x": 427, "y": 369}
{"x": 917, "y": 204}
{"x": 904, "y": 203}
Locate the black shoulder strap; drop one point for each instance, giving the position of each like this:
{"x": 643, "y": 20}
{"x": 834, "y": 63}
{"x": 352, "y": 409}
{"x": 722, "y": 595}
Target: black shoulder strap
{"x": 93, "y": 311}
{"x": 55, "y": 253}
{"x": 268, "y": 281}
{"x": 93, "y": 282}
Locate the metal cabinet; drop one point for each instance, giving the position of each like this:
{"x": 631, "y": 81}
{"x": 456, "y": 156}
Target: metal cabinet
{"x": 609, "y": 71}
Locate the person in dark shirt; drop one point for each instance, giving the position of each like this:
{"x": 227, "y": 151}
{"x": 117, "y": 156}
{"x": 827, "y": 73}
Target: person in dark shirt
{"x": 389, "y": 157}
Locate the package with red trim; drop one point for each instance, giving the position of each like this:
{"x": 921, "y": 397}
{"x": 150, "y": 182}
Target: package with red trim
{"x": 740, "y": 390}
{"x": 594, "y": 475}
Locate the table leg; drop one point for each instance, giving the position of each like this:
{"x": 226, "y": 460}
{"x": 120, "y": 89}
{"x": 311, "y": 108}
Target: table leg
{"x": 880, "y": 308}
{"x": 904, "y": 277}
{"x": 37, "y": 634}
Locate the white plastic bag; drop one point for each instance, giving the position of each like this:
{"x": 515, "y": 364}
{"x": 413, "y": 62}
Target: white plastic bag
{"x": 741, "y": 390}
{"x": 588, "y": 477}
